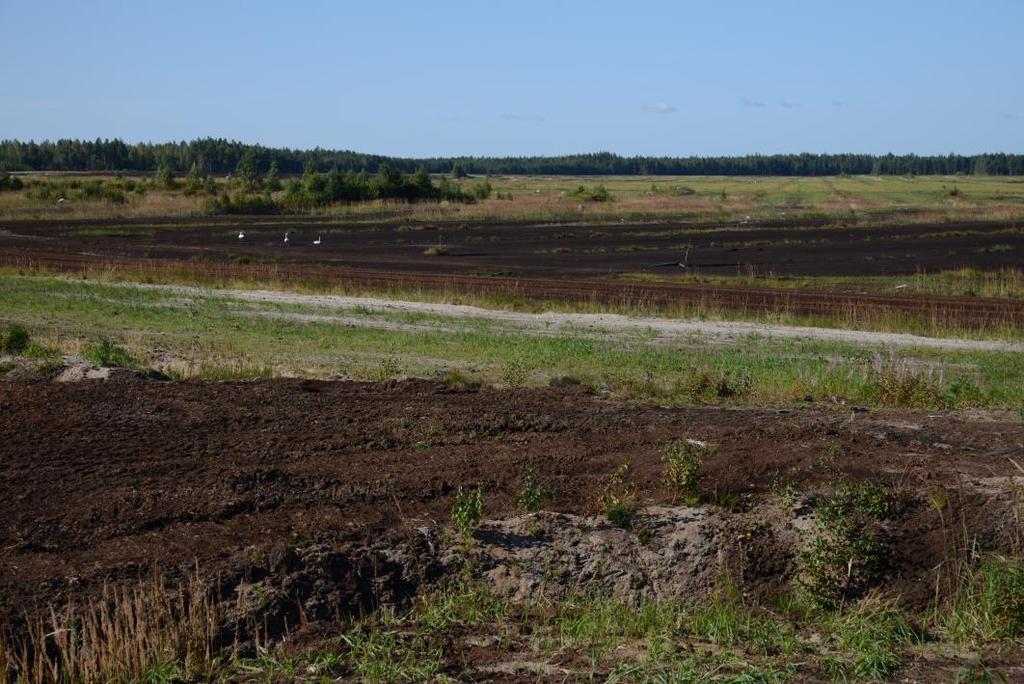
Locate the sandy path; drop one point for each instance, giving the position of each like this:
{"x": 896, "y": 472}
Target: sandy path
{"x": 598, "y": 323}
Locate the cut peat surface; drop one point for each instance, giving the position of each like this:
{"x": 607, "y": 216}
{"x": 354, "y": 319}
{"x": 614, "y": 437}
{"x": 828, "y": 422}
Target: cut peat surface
{"x": 101, "y": 482}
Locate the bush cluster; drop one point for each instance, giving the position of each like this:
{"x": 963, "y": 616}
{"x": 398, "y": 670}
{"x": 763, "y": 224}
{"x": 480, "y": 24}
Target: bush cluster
{"x": 848, "y": 552}
{"x": 14, "y": 339}
{"x": 319, "y": 189}
{"x": 598, "y": 193}
{"x": 9, "y": 182}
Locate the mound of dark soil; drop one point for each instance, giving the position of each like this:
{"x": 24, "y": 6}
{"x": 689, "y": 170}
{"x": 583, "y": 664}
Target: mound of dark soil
{"x": 323, "y": 498}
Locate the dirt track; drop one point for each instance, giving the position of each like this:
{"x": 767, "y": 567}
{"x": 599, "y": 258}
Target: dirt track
{"x": 581, "y": 323}
{"x": 99, "y": 481}
{"x": 517, "y": 261}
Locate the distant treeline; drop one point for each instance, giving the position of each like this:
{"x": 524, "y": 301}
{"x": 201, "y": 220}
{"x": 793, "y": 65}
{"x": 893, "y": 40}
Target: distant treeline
{"x": 219, "y": 156}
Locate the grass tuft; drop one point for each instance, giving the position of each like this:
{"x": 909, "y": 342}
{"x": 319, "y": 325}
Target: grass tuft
{"x": 989, "y": 602}
{"x": 108, "y": 355}
{"x": 876, "y": 631}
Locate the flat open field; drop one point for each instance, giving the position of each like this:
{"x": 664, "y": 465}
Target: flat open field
{"x": 742, "y": 430}
{"x": 591, "y": 249}
{"x": 580, "y": 262}
{"x": 326, "y": 496}
{"x": 797, "y": 247}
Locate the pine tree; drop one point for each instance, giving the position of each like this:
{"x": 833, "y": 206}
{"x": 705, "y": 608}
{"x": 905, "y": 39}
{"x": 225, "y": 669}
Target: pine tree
{"x": 272, "y": 181}
{"x": 193, "y": 181}
{"x": 246, "y": 172}
{"x": 421, "y": 179}
{"x": 164, "y": 177}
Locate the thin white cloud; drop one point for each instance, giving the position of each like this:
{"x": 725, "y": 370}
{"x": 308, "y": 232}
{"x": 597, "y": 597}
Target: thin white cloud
{"x": 659, "y": 108}
{"x": 790, "y": 105}
{"x": 838, "y": 103}
{"x": 750, "y": 102}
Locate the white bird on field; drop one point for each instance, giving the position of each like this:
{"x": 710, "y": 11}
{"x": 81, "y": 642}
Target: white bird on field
{"x": 286, "y": 238}
{"x": 241, "y": 234}
{"x": 317, "y": 241}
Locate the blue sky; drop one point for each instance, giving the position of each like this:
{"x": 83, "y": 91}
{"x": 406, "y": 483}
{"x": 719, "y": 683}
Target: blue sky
{"x": 493, "y": 77}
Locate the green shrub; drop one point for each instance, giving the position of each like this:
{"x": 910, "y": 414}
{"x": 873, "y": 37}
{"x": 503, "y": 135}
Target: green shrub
{"x": 867, "y": 499}
{"x": 15, "y": 339}
{"x": 532, "y": 494}
{"x": 107, "y": 191}
{"x": 165, "y": 177}
{"x": 782, "y": 489}
{"x": 847, "y": 554}
{"x": 243, "y": 203}
{"x": 618, "y": 498}
{"x": 108, "y": 355}
{"x": 676, "y": 190}
{"x": 468, "y": 511}
{"x": 839, "y": 564}
{"x": 598, "y": 193}
{"x": 481, "y": 190}
{"x": 684, "y": 469}
{"x": 9, "y": 182}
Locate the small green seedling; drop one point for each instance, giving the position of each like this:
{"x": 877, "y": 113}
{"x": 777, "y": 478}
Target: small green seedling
{"x": 468, "y": 511}
{"x": 533, "y": 494}
{"x": 618, "y": 499}
{"x": 684, "y": 468}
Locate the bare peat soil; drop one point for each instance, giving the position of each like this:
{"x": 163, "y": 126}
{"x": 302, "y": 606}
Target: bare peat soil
{"x": 547, "y": 262}
{"x": 317, "y": 483}
{"x": 584, "y": 249}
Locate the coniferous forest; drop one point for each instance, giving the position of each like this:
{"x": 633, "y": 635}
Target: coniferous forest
{"x": 217, "y": 155}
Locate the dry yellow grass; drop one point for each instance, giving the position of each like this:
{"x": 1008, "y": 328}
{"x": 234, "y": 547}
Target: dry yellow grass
{"x": 132, "y": 633}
